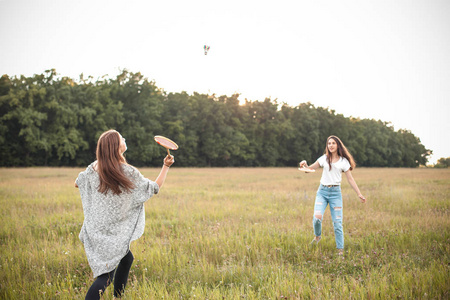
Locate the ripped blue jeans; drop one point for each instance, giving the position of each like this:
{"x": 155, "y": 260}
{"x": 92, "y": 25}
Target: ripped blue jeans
{"x": 333, "y": 196}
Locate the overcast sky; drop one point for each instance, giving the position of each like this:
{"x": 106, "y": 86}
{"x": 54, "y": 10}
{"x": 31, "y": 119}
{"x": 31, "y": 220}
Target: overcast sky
{"x": 387, "y": 60}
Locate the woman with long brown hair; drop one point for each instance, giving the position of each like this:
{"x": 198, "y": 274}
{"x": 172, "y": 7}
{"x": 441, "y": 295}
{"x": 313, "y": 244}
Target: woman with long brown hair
{"x": 336, "y": 159}
{"x": 113, "y": 194}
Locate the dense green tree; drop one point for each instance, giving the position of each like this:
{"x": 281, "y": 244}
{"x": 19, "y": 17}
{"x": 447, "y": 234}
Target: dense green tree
{"x": 47, "y": 119}
{"x": 142, "y": 109}
{"x": 443, "y": 162}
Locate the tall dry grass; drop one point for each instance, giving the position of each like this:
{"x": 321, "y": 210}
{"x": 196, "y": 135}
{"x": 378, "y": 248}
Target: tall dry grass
{"x": 236, "y": 233}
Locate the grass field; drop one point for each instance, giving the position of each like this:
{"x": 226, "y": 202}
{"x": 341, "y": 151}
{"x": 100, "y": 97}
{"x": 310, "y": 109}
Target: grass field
{"x": 236, "y": 234}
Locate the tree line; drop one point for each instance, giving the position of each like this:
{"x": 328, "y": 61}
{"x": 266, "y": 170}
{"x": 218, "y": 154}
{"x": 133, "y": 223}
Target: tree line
{"x": 49, "y": 120}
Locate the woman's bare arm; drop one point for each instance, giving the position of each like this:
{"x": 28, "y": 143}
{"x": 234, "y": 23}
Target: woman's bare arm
{"x": 353, "y": 184}
{"x": 168, "y": 161}
{"x": 314, "y": 166}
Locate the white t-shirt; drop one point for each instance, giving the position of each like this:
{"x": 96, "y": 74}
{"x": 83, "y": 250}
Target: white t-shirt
{"x": 333, "y": 176}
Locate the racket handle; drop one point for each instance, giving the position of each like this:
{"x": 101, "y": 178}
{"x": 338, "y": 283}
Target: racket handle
{"x": 168, "y": 152}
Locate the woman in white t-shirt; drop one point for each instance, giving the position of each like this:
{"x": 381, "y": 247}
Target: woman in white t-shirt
{"x": 336, "y": 160}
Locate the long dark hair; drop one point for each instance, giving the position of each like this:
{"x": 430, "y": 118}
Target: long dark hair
{"x": 341, "y": 151}
{"x": 109, "y": 164}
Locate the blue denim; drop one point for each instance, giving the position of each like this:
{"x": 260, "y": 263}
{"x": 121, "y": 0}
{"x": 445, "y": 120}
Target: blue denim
{"x": 333, "y": 196}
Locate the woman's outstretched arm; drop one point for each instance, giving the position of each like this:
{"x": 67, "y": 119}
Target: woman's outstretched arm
{"x": 314, "y": 166}
{"x": 168, "y": 161}
{"x": 352, "y": 182}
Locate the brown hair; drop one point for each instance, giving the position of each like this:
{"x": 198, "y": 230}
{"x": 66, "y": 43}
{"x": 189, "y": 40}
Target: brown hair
{"x": 109, "y": 164}
{"x": 341, "y": 151}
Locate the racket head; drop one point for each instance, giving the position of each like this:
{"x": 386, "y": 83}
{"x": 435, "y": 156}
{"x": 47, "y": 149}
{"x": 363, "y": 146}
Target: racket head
{"x": 306, "y": 170}
{"x": 165, "y": 142}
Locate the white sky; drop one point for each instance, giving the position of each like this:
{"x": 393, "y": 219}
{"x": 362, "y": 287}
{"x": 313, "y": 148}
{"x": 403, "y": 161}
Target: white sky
{"x": 380, "y": 59}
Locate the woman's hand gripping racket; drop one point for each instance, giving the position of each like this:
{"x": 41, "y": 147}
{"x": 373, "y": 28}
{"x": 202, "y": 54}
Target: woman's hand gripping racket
{"x": 304, "y": 167}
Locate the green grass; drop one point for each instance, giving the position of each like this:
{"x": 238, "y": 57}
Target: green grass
{"x": 237, "y": 233}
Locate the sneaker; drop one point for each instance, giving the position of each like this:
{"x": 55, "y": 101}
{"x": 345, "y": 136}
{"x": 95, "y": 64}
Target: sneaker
{"x": 314, "y": 241}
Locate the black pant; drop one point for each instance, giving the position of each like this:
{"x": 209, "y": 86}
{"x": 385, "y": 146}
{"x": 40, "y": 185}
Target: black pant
{"x": 104, "y": 280}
